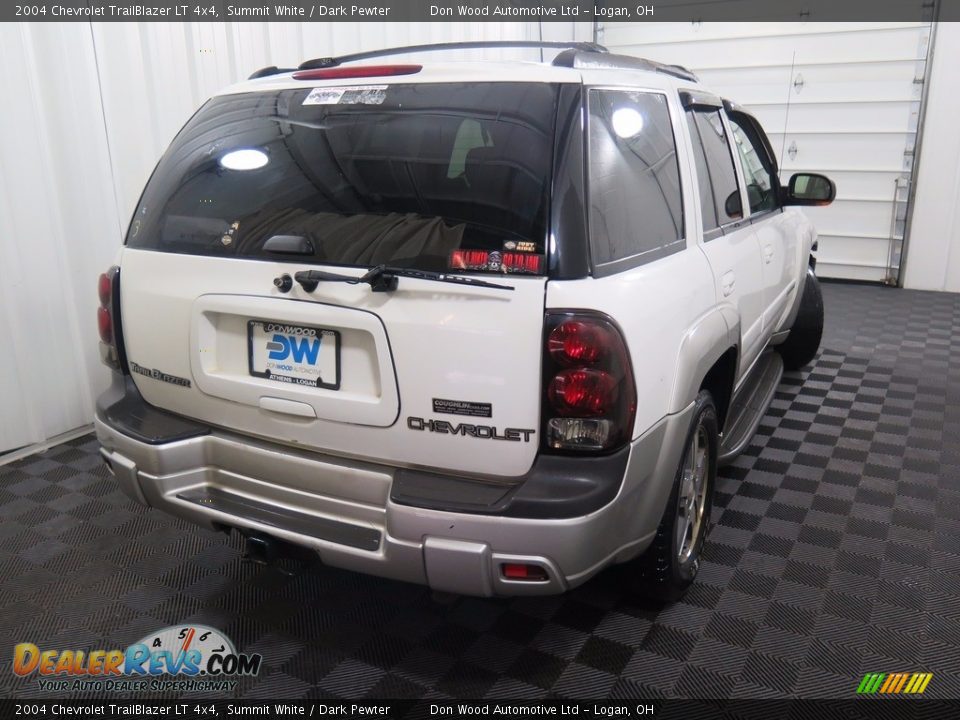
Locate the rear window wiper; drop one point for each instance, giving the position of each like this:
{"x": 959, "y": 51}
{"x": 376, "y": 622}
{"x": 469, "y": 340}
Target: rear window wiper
{"x": 384, "y": 278}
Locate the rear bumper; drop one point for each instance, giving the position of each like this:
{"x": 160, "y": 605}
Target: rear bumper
{"x": 343, "y": 509}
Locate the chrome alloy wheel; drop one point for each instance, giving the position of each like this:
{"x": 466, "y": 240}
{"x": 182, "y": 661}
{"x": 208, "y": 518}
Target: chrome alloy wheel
{"x": 693, "y": 495}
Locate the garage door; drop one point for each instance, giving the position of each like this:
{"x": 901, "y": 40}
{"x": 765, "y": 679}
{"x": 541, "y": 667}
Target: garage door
{"x": 839, "y": 98}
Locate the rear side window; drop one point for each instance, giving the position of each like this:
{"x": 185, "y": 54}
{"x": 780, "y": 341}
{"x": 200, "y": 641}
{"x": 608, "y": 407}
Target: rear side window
{"x": 431, "y": 176}
{"x": 636, "y": 211}
{"x": 716, "y": 173}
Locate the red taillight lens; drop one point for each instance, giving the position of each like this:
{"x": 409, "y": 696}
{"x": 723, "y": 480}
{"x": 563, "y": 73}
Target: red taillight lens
{"x": 105, "y": 325}
{"x": 107, "y": 321}
{"x": 582, "y": 392}
{"x": 589, "y": 392}
{"x": 578, "y": 343}
{"x": 356, "y": 71}
{"x": 105, "y": 289}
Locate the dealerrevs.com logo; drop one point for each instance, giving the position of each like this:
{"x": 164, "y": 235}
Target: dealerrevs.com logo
{"x": 180, "y": 657}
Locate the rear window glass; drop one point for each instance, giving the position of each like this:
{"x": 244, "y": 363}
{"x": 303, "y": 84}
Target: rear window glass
{"x": 431, "y": 176}
{"x": 636, "y": 212}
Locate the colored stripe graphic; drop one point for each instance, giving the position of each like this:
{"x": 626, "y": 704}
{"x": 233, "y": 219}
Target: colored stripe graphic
{"x": 901, "y": 682}
{"x": 890, "y": 682}
{"x": 894, "y": 683}
{"x": 870, "y": 683}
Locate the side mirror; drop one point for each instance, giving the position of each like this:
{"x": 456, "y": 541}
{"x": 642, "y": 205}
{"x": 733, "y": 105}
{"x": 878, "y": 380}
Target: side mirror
{"x": 732, "y": 206}
{"x": 810, "y": 189}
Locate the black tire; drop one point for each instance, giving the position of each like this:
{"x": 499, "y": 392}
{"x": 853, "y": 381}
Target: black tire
{"x": 663, "y": 572}
{"x": 802, "y": 343}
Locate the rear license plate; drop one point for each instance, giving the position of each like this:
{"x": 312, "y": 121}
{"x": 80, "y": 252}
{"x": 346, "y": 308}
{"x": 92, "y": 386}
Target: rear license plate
{"x": 294, "y": 354}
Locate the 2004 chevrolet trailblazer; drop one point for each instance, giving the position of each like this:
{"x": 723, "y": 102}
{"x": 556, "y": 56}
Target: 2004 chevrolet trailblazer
{"x": 489, "y": 327}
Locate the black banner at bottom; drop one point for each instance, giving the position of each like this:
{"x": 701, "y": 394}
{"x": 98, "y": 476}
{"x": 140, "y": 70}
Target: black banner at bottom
{"x": 186, "y": 709}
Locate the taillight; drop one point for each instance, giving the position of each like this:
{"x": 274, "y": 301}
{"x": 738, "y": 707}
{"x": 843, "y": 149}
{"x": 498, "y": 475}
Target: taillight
{"x": 589, "y": 394}
{"x": 108, "y": 286}
{"x": 105, "y": 289}
{"x": 105, "y": 325}
{"x": 583, "y": 392}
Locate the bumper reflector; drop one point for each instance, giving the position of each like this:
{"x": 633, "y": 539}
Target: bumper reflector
{"x": 517, "y": 571}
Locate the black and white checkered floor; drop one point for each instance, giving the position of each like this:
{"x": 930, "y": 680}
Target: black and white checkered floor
{"x": 835, "y": 552}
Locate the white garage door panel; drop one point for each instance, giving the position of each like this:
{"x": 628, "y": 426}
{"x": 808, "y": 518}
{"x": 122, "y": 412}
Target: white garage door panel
{"x": 874, "y": 46}
{"x": 852, "y": 258}
{"x": 863, "y": 72}
{"x": 838, "y": 98}
{"x": 851, "y": 272}
{"x": 622, "y": 33}
{"x": 855, "y": 250}
{"x": 840, "y": 117}
{"x": 877, "y": 151}
{"x": 851, "y": 217}
{"x": 822, "y": 93}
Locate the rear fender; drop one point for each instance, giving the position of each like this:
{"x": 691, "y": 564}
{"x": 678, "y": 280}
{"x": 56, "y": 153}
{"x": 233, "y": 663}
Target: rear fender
{"x": 710, "y": 337}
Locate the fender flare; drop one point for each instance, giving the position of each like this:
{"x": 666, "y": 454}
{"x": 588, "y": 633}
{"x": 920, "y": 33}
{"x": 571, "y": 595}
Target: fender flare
{"x": 792, "y": 316}
{"x": 711, "y": 335}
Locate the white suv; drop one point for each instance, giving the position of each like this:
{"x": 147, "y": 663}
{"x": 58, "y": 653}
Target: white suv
{"x": 488, "y": 327}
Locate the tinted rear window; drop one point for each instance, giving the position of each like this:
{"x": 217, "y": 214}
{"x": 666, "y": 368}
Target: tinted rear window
{"x": 636, "y": 211}
{"x": 431, "y": 176}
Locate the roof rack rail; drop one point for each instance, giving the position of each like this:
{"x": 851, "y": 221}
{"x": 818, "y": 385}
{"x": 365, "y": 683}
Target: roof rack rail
{"x": 327, "y": 62}
{"x": 585, "y": 59}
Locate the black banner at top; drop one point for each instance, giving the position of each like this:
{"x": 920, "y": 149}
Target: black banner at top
{"x": 607, "y": 11}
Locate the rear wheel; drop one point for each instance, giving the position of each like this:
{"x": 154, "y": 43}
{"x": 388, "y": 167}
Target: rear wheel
{"x": 670, "y": 564}
{"x": 802, "y": 343}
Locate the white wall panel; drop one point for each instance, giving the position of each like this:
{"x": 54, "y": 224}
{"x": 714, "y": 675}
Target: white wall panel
{"x": 58, "y": 219}
{"x": 933, "y": 253}
{"x": 88, "y": 110}
{"x": 853, "y": 112}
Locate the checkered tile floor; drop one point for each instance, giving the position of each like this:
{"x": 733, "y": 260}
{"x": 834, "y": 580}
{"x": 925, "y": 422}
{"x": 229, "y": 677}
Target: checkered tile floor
{"x": 835, "y": 552}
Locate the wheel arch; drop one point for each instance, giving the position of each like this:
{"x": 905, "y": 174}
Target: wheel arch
{"x": 708, "y": 359}
{"x": 720, "y": 380}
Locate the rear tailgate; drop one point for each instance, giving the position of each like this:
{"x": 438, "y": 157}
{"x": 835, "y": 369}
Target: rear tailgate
{"x": 466, "y": 358}
{"x": 435, "y": 177}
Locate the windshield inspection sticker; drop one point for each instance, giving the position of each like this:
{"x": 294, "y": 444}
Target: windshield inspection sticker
{"x": 351, "y": 95}
{"x": 462, "y": 407}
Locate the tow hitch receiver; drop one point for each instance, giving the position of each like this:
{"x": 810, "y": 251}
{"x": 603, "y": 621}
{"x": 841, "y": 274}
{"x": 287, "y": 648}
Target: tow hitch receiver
{"x": 269, "y": 551}
{"x": 260, "y": 550}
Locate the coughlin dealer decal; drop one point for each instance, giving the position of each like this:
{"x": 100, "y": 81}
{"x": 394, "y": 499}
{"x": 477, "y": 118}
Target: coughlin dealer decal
{"x": 179, "y": 657}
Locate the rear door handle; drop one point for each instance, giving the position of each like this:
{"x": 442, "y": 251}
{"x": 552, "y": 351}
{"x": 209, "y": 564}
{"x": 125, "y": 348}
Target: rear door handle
{"x": 727, "y": 281}
{"x": 767, "y": 253}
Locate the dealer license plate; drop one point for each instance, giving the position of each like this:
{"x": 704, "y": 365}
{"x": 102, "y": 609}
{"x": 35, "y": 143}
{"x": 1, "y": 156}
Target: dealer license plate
{"x": 294, "y": 354}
